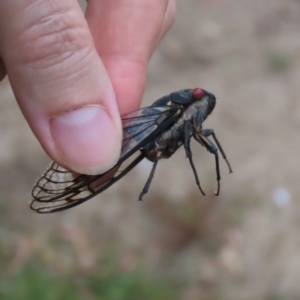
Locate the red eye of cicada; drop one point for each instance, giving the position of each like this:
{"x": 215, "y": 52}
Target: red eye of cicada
{"x": 198, "y": 93}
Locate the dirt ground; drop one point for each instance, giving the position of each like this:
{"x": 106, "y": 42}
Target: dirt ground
{"x": 244, "y": 244}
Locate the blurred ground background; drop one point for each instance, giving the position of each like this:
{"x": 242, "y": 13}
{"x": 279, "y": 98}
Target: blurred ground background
{"x": 177, "y": 244}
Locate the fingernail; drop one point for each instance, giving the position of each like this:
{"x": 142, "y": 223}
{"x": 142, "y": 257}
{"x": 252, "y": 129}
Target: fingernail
{"x": 86, "y": 139}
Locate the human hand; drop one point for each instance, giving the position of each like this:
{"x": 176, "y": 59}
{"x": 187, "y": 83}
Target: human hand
{"x": 70, "y": 75}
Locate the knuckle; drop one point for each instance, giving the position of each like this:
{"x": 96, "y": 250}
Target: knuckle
{"x": 53, "y": 39}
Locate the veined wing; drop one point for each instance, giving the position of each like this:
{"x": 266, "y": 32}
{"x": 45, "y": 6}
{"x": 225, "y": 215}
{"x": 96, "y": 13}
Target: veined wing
{"x": 59, "y": 189}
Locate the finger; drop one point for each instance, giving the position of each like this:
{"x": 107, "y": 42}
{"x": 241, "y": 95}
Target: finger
{"x": 60, "y": 82}
{"x": 125, "y": 34}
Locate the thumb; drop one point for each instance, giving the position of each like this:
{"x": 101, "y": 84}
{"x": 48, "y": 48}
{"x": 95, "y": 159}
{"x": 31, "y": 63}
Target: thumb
{"x": 60, "y": 83}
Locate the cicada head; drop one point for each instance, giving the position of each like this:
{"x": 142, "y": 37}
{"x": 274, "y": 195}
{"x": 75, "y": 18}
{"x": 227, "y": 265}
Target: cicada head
{"x": 206, "y": 100}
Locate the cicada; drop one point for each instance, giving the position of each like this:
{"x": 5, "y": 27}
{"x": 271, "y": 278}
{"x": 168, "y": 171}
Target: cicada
{"x": 152, "y": 132}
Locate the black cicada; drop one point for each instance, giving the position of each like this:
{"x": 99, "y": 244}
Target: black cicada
{"x": 153, "y": 132}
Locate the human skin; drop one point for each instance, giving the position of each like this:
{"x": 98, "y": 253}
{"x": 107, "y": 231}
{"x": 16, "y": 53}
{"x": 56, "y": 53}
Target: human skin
{"x": 73, "y": 75}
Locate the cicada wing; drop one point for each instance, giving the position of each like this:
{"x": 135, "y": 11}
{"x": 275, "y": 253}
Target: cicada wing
{"x": 59, "y": 189}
